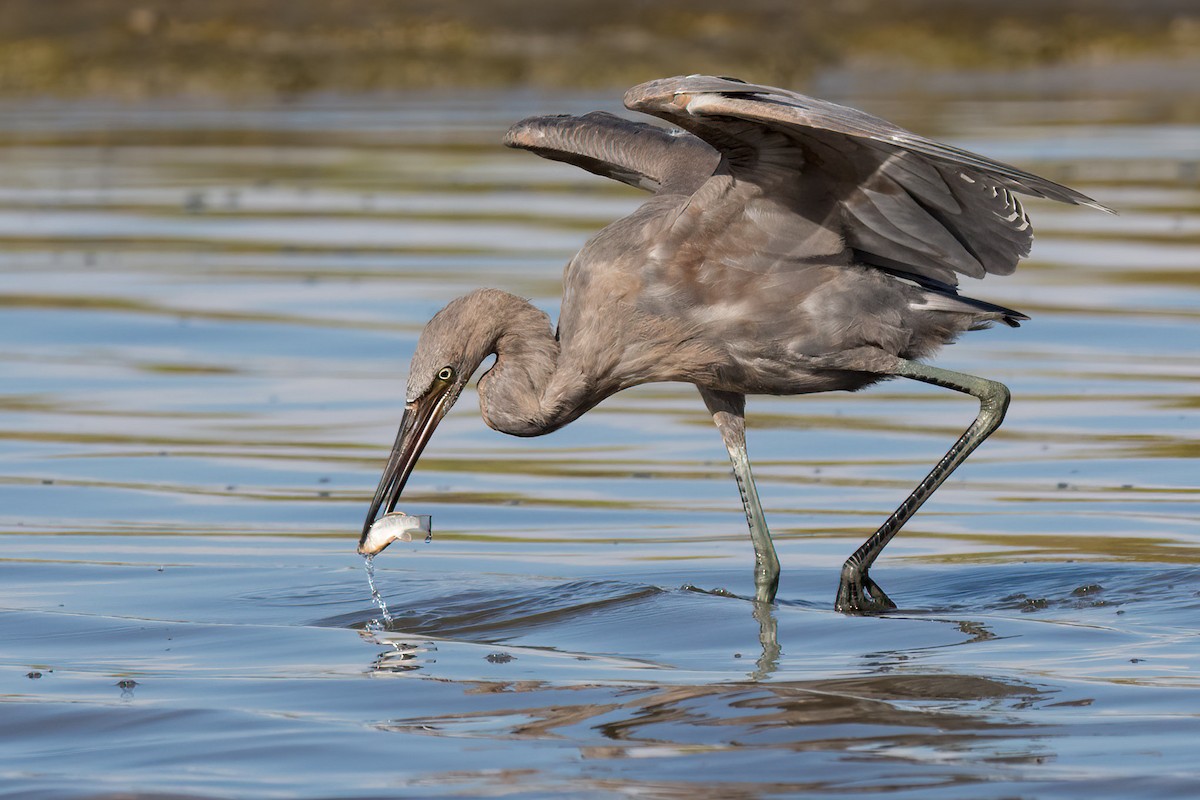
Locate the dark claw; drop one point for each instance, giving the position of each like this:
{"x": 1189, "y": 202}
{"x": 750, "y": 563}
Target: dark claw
{"x": 858, "y": 594}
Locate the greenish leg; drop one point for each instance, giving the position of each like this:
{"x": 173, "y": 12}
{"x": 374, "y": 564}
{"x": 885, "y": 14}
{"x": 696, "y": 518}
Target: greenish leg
{"x": 728, "y": 411}
{"x": 857, "y": 593}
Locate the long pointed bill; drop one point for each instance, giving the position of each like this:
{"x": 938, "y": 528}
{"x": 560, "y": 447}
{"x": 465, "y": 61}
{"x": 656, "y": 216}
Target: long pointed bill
{"x": 416, "y": 427}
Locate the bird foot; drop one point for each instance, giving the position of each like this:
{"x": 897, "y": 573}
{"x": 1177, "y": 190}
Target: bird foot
{"x": 858, "y": 594}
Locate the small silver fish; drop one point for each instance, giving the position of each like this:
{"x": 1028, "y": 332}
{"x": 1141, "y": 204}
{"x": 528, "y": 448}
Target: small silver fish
{"x": 392, "y": 527}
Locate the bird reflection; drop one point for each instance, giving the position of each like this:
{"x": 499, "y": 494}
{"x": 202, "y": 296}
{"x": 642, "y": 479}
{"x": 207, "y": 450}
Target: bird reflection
{"x": 958, "y": 719}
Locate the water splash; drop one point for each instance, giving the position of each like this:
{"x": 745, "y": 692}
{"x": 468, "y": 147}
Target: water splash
{"x": 369, "y": 562}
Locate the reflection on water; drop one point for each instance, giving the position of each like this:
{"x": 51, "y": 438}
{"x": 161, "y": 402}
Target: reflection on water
{"x": 204, "y": 320}
{"x": 872, "y": 725}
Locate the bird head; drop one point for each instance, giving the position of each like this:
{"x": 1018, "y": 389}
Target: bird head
{"x": 450, "y": 349}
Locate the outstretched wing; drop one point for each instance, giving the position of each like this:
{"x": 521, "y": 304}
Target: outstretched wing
{"x": 641, "y": 155}
{"x": 901, "y": 201}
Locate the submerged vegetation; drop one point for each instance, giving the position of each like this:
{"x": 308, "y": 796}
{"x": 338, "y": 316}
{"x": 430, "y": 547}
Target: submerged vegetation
{"x": 284, "y": 48}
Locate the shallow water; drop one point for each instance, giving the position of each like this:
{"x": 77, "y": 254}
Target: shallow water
{"x": 205, "y": 317}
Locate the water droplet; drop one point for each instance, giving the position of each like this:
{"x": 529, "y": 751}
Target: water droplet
{"x": 369, "y": 562}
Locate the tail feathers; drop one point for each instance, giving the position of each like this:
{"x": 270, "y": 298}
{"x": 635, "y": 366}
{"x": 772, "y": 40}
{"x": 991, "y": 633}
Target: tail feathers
{"x": 986, "y": 312}
{"x": 939, "y": 296}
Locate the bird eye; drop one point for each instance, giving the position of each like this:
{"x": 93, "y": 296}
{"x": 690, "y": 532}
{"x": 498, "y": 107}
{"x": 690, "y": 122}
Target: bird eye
{"x": 446, "y": 374}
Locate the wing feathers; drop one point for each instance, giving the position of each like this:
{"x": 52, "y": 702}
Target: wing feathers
{"x": 922, "y": 179}
{"x": 907, "y": 202}
{"x": 899, "y": 201}
{"x": 718, "y": 97}
{"x": 635, "y": 153}
{"x": 904, "y": 223}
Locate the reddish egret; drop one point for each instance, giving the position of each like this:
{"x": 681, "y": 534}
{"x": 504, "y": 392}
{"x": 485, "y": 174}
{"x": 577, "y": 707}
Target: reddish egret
{"x": 791, "y": 246}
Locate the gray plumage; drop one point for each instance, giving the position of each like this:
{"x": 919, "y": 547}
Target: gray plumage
{"x": 635, "y": 153}
{"x": 791, "y": 246}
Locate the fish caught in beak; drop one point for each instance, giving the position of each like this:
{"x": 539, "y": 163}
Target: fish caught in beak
{"x": 421, "y": 417}
{"x": 395, "y": 527}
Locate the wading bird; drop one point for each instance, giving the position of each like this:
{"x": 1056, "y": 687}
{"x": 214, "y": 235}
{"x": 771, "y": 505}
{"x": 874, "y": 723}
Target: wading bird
{"x": 791, "y": 246}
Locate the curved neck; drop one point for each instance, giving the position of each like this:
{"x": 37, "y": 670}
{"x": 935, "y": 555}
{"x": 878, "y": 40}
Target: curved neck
{"x": 526, "y": 393}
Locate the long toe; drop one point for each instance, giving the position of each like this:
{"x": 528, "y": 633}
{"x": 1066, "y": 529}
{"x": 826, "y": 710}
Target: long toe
{"x": 858, "y": 594}
{"x": 879, "y": 599}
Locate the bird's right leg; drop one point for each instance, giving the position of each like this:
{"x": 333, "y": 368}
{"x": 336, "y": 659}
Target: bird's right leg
{"x": 728, "y": 412}
{"x": 857, "y": 593}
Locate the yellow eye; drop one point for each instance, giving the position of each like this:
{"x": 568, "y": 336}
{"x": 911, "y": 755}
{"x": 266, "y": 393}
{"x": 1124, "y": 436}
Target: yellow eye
{"x": 446, "y": 374}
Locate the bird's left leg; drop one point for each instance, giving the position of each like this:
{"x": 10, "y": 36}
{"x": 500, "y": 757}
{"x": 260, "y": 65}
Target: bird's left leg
{"x": 728, "y": 412}
{"x": 857, "y": 593}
